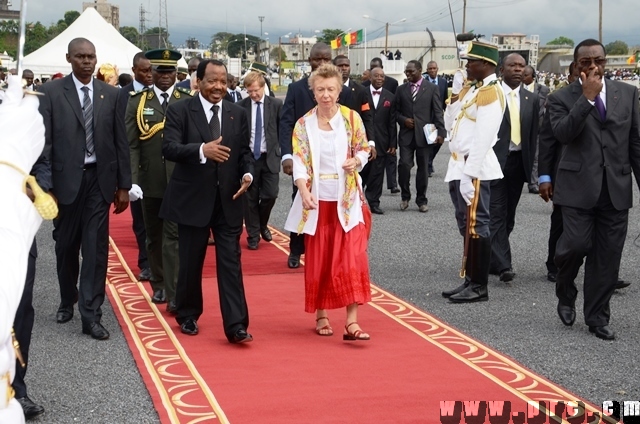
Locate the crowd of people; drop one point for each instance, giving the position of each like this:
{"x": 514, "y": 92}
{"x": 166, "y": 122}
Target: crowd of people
{"x": 196, "y": 157}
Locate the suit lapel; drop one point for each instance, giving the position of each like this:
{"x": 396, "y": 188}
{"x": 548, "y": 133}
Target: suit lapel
{"x": 71, "y": 95}
{"x": 266, "y": 113}
{"x": 423, "y": 88}
{"x": 98, "y": 100}
{"x": 200, "y": 118}
{"x": 228, "y": 117}
{"x": 612, "y": 98}
{"x": 525, "y": 109}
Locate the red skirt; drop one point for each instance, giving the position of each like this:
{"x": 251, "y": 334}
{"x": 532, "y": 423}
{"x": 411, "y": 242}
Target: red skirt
{"x": 336, "y": 263}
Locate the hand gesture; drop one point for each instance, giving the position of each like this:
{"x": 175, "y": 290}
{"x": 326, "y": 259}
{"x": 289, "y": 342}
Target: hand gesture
{"x": 409, "y": 123}
{"x": 591, "y": 84}
{"x": 546, "y": 191}
{"x": 246, "y": 182}
{"x": 121, "y": 200}
{"x": 308, "y": 201}
{"x": 287, "y": 166}
{"x": 214, "y": 150}
{"x": 458, "y": 82}
{"x": 350, "y": 165}
{"x": 467, "y": 190}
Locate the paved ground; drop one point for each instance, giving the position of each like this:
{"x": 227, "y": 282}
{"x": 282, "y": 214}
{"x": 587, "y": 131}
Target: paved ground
{"x": 413, "y": 255}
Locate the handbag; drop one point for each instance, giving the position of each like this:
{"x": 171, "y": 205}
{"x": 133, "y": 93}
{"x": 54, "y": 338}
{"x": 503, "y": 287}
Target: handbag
{"x": 366, "y": 211}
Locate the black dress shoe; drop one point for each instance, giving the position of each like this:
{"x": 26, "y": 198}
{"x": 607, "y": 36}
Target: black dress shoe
{"x": 145, "y": 275}
{"x": 189, "y": 327}
{"x": 449, "y": 293}
{"x": 622, "y": 284}
{"x": 96, "y": 330}
{"x": 377, "y": 210}
{"x": 472, "y": 293}
{"x": 552, "y": 276}
{"x": 294, "y": 261}
{"x": 567, "y": 314}
{"x": 252, "y": 244}
{"x": 603, "y": 332}
{"x": 507, "y": 275}
{"x": 241, "y": 336}
{"x": 159, "y": 296}
{"x": 266, "y": 234}
{"x": 30, "y": 409}
{"x": 64, "y": 314}
{"x": 171, "y": 307}
{"x": 534, "y": 190}
{"x": 395, "y": 190}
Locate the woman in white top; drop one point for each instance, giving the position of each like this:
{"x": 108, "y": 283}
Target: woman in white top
{"x": 329, "y": 147}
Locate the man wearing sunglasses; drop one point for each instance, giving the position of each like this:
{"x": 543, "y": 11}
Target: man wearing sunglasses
{"x": 596, "y": 121}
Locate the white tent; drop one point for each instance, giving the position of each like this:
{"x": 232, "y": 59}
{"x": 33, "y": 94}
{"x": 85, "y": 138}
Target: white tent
{"x": 111, "y": 46}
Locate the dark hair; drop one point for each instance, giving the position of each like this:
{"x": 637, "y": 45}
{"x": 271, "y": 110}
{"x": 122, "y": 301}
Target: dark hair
{"x": 533, "y": 71}
{"x": 572, "y": 65}
{"x": 340, "y": 56}
{"x": 319, "y": 47}
{"x": 202, "y": 66}
{"x": 589, "y": 42}
{"x": 376, "y": 60}
{"x": 137, "y": 57}
{"x": 124, "y": 79}
{"x": 416, "y": 63}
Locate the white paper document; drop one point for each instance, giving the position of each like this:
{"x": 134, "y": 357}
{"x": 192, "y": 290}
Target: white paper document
{"x": 430, "y": 132}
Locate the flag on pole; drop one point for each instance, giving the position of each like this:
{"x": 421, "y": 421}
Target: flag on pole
{"x": 334, "y": 44}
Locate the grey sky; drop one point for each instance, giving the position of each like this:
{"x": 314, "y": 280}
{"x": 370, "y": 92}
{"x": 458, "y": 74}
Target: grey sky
{"x": 203, "y": 18}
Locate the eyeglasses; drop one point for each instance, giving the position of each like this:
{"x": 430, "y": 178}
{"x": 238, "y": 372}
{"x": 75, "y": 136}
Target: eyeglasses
{"x": 586, "y": 62}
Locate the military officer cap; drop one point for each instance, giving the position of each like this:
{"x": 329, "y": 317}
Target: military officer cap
{"x": 481, "y": 51}
{"x": 163, "y": 60}
{"x": 258, "y": 67}
{"x": 182, "y": 70}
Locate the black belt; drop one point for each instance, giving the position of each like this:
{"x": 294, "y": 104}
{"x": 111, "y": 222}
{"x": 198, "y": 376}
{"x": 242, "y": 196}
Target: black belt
{"x": 513, "y": 152}
{"x": 89, "y": 166}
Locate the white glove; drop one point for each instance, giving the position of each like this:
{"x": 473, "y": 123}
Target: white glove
{"x": 458, "y": 81}
{"x": 467, "y": 190}
{"x": 135, "y": 193}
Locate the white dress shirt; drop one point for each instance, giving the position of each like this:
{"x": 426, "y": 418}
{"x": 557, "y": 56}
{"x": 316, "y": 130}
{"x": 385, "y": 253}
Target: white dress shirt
{"x": 79, "y": 85}
{"x": 376, "y": 97}
{"x": 169, "y": 92}
{"x": 254, "y": 108}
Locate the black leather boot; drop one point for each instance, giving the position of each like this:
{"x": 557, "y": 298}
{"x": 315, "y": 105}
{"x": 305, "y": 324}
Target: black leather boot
{"x": 478, "y": 261}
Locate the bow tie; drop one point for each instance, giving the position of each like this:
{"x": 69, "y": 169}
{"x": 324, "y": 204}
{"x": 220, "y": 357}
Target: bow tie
{"x": 377, "y": 92}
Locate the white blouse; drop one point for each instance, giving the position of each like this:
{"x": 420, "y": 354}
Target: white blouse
{"x": 327, "y": 187}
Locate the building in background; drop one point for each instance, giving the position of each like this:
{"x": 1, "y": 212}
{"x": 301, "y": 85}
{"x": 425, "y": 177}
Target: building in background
{"x": 109, "y": 12}
{"x": 5, "y": 13}
{"x": 527, "y": 47}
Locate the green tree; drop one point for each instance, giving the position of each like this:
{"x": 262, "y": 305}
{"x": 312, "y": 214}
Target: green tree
{"x": 328, "y": 35}
{"x": 278, "y": 54}
{"x": 616, "y": 48}
{"x": 236, "y": 45}
{"x": 561, "y": 41}
{"x": 70, "y": 16}
{"x": 220, "y": 41}
{"x": 37, "y": 36}
{"x": 131, "y": 34}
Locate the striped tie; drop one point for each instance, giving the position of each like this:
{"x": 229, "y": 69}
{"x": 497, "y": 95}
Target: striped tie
{"x": 414, "y": 91}
{"x": 87, "y": 112}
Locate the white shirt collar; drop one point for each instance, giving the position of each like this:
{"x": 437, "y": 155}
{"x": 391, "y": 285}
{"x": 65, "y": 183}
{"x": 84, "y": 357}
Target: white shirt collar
{"x": 207, "y": 105}
{"x": 346, "y": 83}
{"x": 137, "y": 86}
{"x": 79, "y": 84}
{"x": 159, "y": 92}
{"x": 507, "y": 90}
{"x": 261, "y": 100}
{"x": 373, "y": 89}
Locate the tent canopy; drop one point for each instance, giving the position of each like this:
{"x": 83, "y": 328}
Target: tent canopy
{"x": 111, "y": 46}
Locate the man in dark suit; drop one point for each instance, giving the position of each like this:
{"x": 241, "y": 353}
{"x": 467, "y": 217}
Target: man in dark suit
{"x": 530, "y": 83}
{"x": 390, "y": 83}
{"x": 233, "y": 95}
{"x": 300, "y": 100}
{"x": 142, "y": 79}
{"x": 208, "y": 139}
{"x": 90, "y": 170}
{"x": 144, "y": 122}
{"x": 383, "y": 107}
{"x": 443, "y": 91}
{"x": 516, "y": 149}
{"x": 263, "y": 113}
{"x": 358, "y": 99}
{"x": 192, "y": 67}
{"x": 596, "y": 120}
{"x": 418, "y": 104}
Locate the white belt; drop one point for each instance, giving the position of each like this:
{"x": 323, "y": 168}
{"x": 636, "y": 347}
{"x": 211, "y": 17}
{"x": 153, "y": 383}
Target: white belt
{"x": 6, "y": 391}
{"x": 329, "y": 176}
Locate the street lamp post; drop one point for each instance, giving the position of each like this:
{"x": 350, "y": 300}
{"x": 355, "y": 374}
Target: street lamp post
{"x": 260, "y": 18}
{"x": 386, "y": 26}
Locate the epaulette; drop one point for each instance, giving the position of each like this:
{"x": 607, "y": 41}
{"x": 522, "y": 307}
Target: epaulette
{"x": 135, "y": 93}
{"x": 488, "y": 94}
{"x": 181, "y": 90}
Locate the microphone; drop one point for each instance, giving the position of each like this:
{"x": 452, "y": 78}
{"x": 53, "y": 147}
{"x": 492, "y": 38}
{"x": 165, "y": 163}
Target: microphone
{"x": 465, "y": 36}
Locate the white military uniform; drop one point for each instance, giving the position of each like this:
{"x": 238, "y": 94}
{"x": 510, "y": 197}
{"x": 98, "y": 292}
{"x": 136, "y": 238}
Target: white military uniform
{"x": 21, "y": 145}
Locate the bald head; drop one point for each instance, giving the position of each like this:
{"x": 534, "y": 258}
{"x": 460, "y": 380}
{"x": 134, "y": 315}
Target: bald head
{"x": 319, "y": 55}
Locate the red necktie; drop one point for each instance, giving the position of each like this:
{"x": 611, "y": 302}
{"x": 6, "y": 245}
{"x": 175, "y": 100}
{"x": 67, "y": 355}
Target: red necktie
{"x": 376, "y": 92}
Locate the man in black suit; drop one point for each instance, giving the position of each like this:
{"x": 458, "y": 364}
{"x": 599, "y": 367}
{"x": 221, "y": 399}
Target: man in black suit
{"x": 263, "y": 113}
{"x": 233, "y": 95}
{"x": 418, "y": 104}
{"x": 516, "y": 150}
{"x": 383, "y": 106}
{"x": 142, "y": 78}
{"x": 390, "y": 83}
{"x": 192, "y": 67}
{"x": 299, "y": 101}
{"x": 596, "y": 120}
{"x": 443, "y": 90}
{"x": 90, "y": 166}
{"x": 208, "y": 139}
{"x": 530, "y": 83}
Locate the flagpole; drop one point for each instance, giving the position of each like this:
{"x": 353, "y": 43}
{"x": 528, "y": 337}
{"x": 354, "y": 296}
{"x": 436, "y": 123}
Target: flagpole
{"x": 365, "y": 48}
{"x": 22, "y": 39}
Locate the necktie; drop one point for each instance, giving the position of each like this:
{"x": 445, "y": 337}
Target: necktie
{"x": 376, "y": 92}
{"x": 257, "y": 140}
{"x": 87, "y": 112}
{"x": 514, "y": 115}
{"x": 214, "y": 124}
{"x": 165, "y": 102}
{"x": 600, "y": 107}
{"x": 414, "y": 91}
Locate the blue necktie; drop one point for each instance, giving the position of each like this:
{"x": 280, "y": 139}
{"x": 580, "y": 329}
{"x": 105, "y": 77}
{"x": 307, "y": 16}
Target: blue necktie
{"x": 258, "y": 135}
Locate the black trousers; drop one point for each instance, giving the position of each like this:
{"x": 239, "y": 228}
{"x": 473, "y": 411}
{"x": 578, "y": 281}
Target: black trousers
{"x": 193, "y": 248}
{"x": 555, "y": 231}
{"x": 260, "y": 198}
{"x": 296, "y": 241}
{"x": 391, "y": 166}
{"x": 505, "y": 196}
{"x": 435, "y": 148}
{"x": 479, "y": 210}
{"x": 421, "y": 154}
{"x": 23, "y": 323}
{"x": 139, "y": 231}
{"x": 83, "y": 226}
{"x": 599, "y": 234}
{"x": 374, "y": 173}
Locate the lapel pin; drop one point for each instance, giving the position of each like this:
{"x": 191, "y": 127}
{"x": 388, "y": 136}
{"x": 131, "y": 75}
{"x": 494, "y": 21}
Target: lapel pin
{"x": 231, "y": 117}
{"x": 102, "y": 96}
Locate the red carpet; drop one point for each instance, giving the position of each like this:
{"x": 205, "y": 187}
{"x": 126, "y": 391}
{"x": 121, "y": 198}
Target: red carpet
{"x": 410, "y": 370}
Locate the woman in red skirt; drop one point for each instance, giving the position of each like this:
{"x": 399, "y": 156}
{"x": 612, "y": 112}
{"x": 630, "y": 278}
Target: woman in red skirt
{"x": 329, "y": 147}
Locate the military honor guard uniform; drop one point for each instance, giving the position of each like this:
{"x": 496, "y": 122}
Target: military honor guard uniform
{"x": 473, "y": 119}
{"x": 144, "y": 122}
